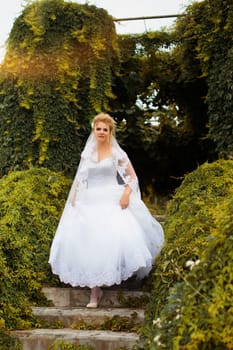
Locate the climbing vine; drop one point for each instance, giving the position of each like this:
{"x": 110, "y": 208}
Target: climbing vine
{"x": 57, "y": 74}
{"x": 206, "y": 49}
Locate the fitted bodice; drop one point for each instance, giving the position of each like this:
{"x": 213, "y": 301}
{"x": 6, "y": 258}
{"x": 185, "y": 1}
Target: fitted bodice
{"x": 102, "y": 173}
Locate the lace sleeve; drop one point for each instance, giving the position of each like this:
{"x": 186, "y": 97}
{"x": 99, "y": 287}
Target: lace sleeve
{"x": 127, "y": 172}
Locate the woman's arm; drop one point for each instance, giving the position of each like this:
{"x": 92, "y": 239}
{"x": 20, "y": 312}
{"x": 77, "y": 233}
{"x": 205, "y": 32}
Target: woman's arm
{"x": 130, "y": 181}
{"x": 125, "y": 197}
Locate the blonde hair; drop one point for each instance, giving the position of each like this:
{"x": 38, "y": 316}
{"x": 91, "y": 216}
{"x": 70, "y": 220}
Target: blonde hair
{"x": 105, "y": 118}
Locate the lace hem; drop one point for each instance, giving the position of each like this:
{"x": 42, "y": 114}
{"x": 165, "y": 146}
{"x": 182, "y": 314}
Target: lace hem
{"x": 102, "y": 279}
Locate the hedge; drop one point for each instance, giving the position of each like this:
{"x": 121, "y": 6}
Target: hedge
{"x": 192, "y": 296}
{"x": 31, "y": 202}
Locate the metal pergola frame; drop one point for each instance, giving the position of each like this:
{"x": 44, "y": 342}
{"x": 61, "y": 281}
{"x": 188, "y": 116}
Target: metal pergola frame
{"x": 146, "y": 17}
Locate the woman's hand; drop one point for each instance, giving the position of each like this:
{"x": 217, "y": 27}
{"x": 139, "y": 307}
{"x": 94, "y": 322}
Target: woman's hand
{"x": 124, "y": 201}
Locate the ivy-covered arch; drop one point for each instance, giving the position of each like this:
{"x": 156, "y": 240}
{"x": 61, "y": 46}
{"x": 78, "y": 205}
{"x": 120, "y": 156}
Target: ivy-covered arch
{"x": 57, "y": 74}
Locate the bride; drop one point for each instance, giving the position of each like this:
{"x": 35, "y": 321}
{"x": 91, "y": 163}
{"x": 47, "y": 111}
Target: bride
{"x": 106, "y": 233}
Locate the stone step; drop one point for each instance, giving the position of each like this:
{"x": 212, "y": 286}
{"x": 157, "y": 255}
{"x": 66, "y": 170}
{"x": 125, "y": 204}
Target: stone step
{"x": 42, "y": 339}
{"x": 72, "y": 317}
{"x": 78, "y": 297}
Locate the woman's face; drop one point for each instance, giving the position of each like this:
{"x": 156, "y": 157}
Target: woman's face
{"x": 102, "y": 132}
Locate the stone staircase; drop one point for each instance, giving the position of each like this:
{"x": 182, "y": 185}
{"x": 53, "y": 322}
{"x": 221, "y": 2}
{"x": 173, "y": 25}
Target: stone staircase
{"x": 112, "y": 326}
{"x": 68, "y": 320}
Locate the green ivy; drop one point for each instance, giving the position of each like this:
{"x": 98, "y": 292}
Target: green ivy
{"x": 31, "y": 202}
{"x": 191, "y": 304}
{"x": 206, "y": 50}
{"x": 57, "y": 74}
{"x": 7, "y": 341}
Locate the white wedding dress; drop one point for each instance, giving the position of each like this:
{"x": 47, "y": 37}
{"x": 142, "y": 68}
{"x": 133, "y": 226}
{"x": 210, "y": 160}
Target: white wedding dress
{"x": 97, "y": 242}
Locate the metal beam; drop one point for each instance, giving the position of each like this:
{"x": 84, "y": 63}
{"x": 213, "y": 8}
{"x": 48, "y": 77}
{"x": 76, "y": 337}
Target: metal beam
{"x": 145, "y": 18}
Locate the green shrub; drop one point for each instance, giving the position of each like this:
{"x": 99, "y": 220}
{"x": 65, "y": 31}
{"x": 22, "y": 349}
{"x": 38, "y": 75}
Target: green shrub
{"x": 30, "y": 205}
{"x": 7, "y": 342}
{"x": 191, "y": 307}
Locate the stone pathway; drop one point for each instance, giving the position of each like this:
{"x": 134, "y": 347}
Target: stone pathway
{"x": 68, "y": 314}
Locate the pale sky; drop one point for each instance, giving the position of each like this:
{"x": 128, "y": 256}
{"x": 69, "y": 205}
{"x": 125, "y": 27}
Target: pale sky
{"x": 116, "y": 8}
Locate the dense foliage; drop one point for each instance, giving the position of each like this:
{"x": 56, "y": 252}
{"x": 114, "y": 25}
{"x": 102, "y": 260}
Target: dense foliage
{"x": 165, "y": 131}
{"x": 191, "y": 307}
{"x": 64, "y": 63}
{"x": 56, "y": 75}
{"x": 171, "y": 94}
{"x": 183, "y": 80}
{"x": 30, "y": 206}
{"x": 206, "y": 50}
